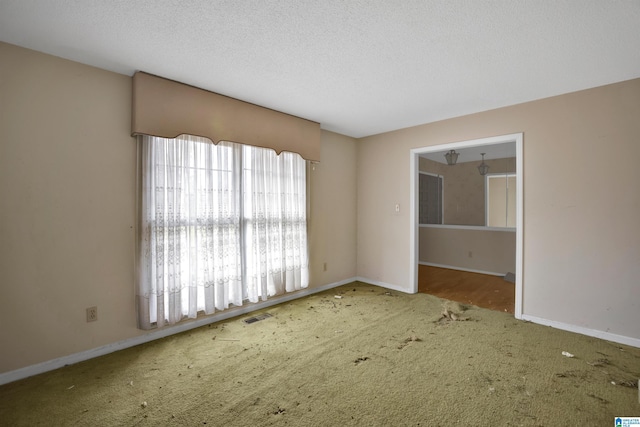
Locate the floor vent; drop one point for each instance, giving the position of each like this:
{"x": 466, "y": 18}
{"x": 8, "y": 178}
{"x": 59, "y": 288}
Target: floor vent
{"x": 257, "y": 318}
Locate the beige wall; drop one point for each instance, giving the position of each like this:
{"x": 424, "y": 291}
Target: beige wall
{"x": 464, "y": 198}
{"x": 581, "y": 203}
{"x": 332, "y": 233}
{"x": 67, "y": 183}
{"x": 67, "y": 208}
{"x": 480, "y": 250}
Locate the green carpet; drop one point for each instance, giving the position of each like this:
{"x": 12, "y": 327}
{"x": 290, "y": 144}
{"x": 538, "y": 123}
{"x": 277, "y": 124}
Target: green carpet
{"x": 368, "y": 358}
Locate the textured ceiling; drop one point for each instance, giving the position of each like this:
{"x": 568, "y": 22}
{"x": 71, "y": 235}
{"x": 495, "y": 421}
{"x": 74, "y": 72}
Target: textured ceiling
{"x": 358, "y": 67}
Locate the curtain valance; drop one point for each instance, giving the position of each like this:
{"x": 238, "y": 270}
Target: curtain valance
{"x": 166, "y": 108}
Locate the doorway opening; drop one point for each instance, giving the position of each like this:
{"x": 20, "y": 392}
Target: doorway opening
{"x": 464, "y": 214}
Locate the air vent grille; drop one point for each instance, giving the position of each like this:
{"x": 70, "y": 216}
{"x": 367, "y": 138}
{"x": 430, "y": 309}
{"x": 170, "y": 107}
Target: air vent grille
{"x": 257, "y": 318}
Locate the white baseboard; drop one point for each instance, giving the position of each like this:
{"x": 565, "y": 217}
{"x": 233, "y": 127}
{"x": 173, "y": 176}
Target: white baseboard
{"x": 451, "y": 267}
{"x": 71, "y": 359}
{"x": 621, "y": 339}
{"x": 384, "y": 285}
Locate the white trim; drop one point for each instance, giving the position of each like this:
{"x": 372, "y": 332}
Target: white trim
{"x": 519, "y": 225}
{"x": 71, "y": 359}
{"x": 486, "y": 200}
{"x": 384, "y": 285}
{"x": 413, "y": 224}
{"x": 469, "y": 270}
{"x": 506, "y": 176}
{"x": 621, "y": 339}
{"x": 468, "y": 227}
{"x": 414, "y": 167}
{"x": 634, "y": 342}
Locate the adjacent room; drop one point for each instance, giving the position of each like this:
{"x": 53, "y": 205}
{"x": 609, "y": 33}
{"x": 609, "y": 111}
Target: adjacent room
{"x": 467, "y": 225}
{"x": 418, "y": 213}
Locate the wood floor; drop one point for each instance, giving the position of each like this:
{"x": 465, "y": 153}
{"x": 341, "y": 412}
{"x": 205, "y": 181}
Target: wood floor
{"x": 492, "y": 292}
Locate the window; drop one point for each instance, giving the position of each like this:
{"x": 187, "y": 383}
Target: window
{"x": 220, "y": 224}
{"x": 501, "y": 200}
{"x": 430, "y": 198}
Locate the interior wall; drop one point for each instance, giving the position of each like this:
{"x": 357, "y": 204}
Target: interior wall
{"x": 581, "y": 234}
{"x": 464, "y": 192}
{"x": 332, "y": 222}
{"x": 67, "y": 216}
{"x": 67, "y": 181}
{"x": 486, "y": 251}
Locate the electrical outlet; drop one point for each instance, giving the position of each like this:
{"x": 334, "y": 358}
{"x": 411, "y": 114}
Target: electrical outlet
{"x": 92, "y": 314}
{"x": 470, "y": 254}
{"x": 324, "y": 267}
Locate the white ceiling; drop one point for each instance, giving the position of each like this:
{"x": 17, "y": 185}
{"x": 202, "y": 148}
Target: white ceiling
{"x": 359, "y": 67}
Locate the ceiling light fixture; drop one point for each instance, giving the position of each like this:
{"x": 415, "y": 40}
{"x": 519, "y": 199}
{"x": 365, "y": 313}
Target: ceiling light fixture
{"x": 452, "y": 157}
{"x": 483, "y": 168}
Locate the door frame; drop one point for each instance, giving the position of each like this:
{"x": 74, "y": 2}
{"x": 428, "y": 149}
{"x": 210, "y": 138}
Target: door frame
{"x": 414, "y": 169}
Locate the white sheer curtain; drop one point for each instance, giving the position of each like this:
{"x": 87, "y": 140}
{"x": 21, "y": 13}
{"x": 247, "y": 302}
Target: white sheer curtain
{"x": 215, "y": 233}
{"x": 274, "y": 211}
